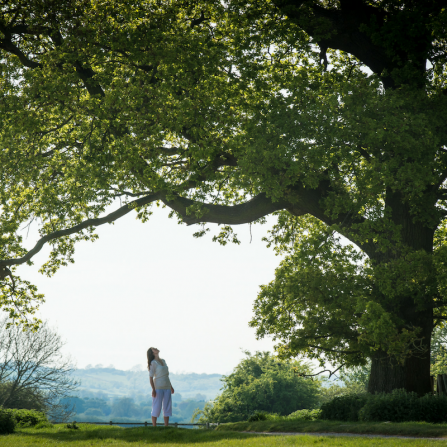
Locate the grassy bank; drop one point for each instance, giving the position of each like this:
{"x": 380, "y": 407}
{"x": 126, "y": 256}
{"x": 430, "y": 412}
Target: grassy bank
{"x": 388, "y": 428}
{"x": 96, "y": 436}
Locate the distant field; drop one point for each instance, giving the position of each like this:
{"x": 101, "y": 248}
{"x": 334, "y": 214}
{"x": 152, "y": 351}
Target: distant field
{"x": 96, "y": 436}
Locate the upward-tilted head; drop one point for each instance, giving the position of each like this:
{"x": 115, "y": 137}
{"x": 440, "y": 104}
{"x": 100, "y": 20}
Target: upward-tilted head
{"x": 151, "y": 352}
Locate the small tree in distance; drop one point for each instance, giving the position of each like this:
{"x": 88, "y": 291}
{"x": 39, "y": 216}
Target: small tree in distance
{"x": 34, "y": 374}
{"x": 262, "y": 382}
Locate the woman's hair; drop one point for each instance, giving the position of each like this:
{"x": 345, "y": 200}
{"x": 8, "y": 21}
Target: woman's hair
{"x": 150, "y": 357}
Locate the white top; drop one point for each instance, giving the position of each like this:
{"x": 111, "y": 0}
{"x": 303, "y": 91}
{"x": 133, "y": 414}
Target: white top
{"x": 160, "y": 373}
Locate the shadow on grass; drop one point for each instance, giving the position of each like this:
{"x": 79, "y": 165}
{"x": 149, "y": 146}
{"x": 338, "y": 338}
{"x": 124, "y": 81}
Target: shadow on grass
{"x": 158, "y": 435}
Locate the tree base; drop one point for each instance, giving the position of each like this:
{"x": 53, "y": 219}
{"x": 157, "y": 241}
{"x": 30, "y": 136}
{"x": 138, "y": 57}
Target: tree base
{"x": 388, "y": 375}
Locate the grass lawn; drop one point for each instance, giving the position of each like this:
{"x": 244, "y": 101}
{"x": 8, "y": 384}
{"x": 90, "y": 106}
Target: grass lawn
{"x": 94, "y": 435}
{"x": 388, "y": 428}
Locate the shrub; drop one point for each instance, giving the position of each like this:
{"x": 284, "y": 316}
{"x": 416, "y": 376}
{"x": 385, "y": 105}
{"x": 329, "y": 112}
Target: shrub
{"x": 305, "y": 415}
{"x": 432, "y": 408}
{"x": 344, "y": 408}
{"x": 400, "y": 406}
{"x": 7, "y": 422}
{"x": 397, "y": 406}
{"x": 258, "y": 416}
{"x": 28, "y": 418}
{"x": 43, "y": 425}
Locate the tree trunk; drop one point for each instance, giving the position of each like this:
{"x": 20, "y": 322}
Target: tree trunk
{"x": 414, "y": 311}
{"x": 387, "y": 374}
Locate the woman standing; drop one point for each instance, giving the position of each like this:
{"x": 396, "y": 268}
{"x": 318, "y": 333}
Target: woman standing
{"x": 161, "y": 386}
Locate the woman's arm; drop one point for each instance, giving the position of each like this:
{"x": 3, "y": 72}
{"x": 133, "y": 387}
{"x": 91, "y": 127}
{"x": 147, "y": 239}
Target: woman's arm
{"x": 151, "y": 380}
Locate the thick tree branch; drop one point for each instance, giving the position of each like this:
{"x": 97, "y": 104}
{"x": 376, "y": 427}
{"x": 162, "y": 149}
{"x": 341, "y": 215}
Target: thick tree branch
{"x": 199, "y": 20}
{"x": 247, "y": 212}
{"x": 363, "y": 152}
{"x": 26, "y": 29}
{"x": 120, "y": 212}
{"x": 120, "y": 193}
{"x": 8, "y": 46}
{"x": 86, "y": 74}
{"x": 244, "y": 213}
{"x": 170, "y": 150}
{"x": 311, "y": 201}
{"x": 345, "y": 28}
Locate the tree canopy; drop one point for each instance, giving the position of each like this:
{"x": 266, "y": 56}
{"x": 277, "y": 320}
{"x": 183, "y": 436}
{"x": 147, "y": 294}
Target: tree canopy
{"x": 327, "y": 113}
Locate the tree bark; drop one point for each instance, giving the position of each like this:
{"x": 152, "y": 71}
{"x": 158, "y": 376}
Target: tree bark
{"x": 414, "y": 375}
{"x": 415, "y": 311}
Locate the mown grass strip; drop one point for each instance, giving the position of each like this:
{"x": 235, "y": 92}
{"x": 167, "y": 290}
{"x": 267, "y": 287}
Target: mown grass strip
{"x": 96, "y": 436}
{"x": 418, "y": 429}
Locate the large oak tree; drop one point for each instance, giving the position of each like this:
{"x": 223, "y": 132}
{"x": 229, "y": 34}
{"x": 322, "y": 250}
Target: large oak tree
{"x": 328, "y": 113}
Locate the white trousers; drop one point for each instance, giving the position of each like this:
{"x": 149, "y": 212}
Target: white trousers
{"x": 162, "y": 398}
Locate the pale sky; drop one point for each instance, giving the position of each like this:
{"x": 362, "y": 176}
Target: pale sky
{"x": 153, "y": 284}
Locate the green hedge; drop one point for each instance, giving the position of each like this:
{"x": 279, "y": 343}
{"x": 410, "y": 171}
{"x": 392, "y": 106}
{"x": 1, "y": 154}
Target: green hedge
{"x": 305, "y": 415}
{"x": 28, "y": 418}
{"x": 11, "y": 418}
{"x": 398, "y": 406}
{"x": 7, "y": 422}
{"x": 344, "y": 408}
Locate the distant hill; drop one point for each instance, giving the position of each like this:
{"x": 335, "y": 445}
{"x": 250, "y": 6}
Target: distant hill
{"x": 110, "y": 383}
{"x": 111, "y": 394}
